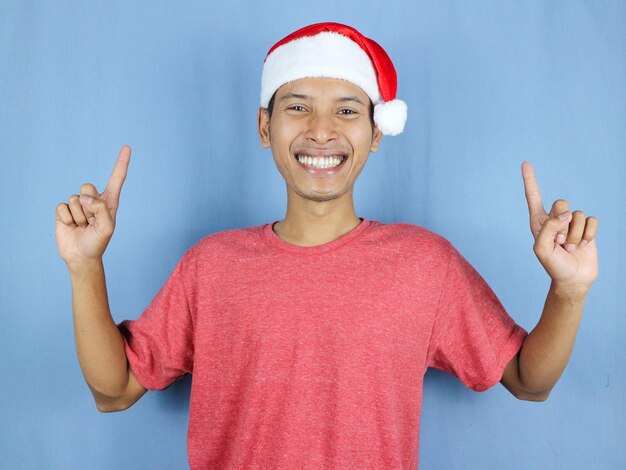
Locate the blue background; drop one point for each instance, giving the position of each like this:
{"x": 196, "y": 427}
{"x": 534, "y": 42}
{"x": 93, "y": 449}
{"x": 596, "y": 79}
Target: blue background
{"x": 488, "y": 85}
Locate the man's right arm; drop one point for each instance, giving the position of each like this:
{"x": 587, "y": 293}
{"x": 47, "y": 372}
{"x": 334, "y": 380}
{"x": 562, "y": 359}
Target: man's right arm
{"x": 99, "y": 343}
{"x": 84, "y": 226}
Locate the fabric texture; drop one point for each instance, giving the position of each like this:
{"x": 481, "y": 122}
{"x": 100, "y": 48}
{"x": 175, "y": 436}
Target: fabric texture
{"x": 314, "y": 357}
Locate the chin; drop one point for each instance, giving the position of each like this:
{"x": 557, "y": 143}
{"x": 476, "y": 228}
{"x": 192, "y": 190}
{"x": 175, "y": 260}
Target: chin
{"x": 322, "y": 197}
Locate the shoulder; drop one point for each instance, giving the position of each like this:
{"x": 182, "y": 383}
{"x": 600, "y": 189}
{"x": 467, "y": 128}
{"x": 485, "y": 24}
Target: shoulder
{"x": 223, "y": 245}
{"x": 411, "y": 236}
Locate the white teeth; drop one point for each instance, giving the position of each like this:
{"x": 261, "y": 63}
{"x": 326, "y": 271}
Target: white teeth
{"x": 320, "y": 162}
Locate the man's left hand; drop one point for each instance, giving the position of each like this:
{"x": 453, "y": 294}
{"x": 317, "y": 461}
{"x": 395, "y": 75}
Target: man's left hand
{"x": 564, "y": 241}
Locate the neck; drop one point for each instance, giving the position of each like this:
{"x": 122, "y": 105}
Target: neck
{"x": 313, "y": 223}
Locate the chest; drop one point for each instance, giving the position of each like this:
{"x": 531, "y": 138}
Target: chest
{"x": 318, "y": 315}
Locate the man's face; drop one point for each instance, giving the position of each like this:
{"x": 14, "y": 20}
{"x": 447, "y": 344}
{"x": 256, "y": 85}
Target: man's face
{"x": 315, "y": 123}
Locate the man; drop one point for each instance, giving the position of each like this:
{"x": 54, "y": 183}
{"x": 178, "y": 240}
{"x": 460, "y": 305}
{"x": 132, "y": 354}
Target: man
{"x": 308, "y": 338}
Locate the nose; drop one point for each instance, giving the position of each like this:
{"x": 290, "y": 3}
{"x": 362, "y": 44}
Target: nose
{"x": 320, "y": 128}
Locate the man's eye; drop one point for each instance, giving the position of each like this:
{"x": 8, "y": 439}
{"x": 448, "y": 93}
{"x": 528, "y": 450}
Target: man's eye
{"x": 297, "y": 108}
{"x": 346, "y": 111}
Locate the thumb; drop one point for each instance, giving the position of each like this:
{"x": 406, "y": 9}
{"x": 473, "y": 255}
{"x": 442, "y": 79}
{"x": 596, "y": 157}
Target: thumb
{"x": 90, "y": 190}
{"x": 102, "y": 220}
{"x": 545, "y": 243}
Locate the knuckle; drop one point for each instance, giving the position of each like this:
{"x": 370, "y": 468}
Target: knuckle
{"x": 554, "y": 221}
{"x": 73, "y": 199}
{"x": 87, "y": 187}
{"x": 579, "y": 214}
{"x": 107, "y": 229}
{"x": 560, "y": 205}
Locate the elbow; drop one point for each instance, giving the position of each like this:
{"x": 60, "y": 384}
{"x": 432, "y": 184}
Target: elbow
{"x": 111, "y": 405}
{"x": 106, "y": 407}
{"x": 533, "y": 396}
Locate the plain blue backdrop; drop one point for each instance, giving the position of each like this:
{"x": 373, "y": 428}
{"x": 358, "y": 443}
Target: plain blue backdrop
{"x": 488, "y": 85}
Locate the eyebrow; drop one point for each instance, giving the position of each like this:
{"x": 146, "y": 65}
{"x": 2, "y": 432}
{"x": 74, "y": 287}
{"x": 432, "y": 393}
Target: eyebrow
{"x": 350, "y": 98}
{"x": 294, "y": 95}
{"x": 338, "y": 100}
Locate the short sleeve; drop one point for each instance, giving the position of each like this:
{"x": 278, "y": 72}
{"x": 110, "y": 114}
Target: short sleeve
{"x": 159, "y": 344}
{"x": 473, "y": 336}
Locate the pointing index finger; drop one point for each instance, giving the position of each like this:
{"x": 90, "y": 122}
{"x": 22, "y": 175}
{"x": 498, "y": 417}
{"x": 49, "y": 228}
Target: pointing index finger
{"x": 531, "y": 188}
{"x": 118, "y": 176}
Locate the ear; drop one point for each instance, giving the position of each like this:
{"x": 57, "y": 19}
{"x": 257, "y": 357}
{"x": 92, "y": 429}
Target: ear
{"x": 264, "y": 127}
{"x": 376, "y": 137}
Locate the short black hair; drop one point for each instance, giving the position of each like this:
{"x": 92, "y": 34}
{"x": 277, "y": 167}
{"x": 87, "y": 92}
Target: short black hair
{"x": 270, "y": 108}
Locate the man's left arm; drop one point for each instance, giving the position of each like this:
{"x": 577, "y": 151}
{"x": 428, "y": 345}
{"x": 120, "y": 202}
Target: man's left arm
{"x": 565, "y": 246}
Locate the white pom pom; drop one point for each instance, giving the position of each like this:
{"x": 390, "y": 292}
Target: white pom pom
{"x": 390, "y": 117}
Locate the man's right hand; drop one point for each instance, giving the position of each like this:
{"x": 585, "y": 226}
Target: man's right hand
{"x": 86, "y": 223}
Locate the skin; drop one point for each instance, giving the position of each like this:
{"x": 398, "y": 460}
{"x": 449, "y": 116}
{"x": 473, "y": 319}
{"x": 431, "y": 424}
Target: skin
{"x": 565, "y": 246}
{"x": 312, "y": 116}
{"x": 84, "y": 226}
{"x": 320, "y": 208}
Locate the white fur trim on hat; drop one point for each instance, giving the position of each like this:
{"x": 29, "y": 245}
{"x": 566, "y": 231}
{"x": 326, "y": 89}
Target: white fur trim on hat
{"x": 390, "y": 117}
{"x": 326, "y": 54}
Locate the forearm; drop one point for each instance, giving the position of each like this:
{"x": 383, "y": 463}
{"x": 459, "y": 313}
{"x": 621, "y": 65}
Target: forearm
{"x": 548, "y": 347}
{"x": 99, "y": 343}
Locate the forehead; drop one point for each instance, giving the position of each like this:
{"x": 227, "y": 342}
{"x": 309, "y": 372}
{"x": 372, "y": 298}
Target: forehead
{"x": 321, "y": 86}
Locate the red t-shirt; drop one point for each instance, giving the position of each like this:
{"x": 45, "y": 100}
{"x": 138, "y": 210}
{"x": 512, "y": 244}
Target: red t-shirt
{"x": 314, "y": 357}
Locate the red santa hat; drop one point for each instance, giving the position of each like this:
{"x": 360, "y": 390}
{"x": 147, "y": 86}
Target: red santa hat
{"x": 335, "y": 50}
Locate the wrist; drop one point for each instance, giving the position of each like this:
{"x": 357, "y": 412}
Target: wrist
{"x": 568, "y": 293}
{"x": 80, "y": 269}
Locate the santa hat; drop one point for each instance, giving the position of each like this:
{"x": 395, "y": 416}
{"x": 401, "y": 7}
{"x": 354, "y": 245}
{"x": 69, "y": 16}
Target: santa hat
{"x": 334, "y": 50}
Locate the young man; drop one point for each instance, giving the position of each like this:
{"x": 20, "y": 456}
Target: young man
{"x": 308, "y": 338}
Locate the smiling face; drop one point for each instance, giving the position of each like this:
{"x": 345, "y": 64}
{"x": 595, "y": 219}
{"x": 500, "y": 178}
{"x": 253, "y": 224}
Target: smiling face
{"x": 321, "y": 135}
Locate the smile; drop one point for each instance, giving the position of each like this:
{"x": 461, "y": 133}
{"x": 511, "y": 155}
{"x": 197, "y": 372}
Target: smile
{"x": 320, "y": 163}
